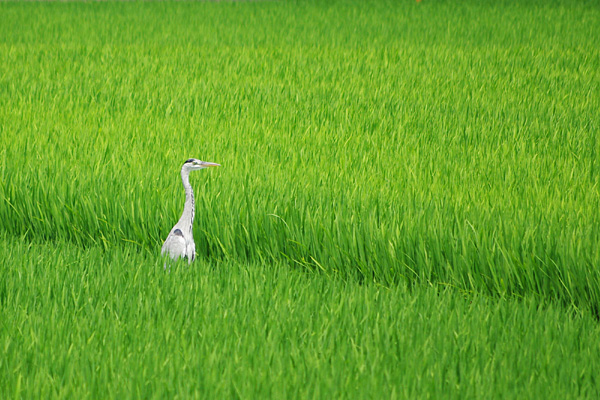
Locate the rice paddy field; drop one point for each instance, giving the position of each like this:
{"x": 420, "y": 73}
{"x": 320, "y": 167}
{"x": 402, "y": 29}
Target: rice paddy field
{"x": 408, "y": 204}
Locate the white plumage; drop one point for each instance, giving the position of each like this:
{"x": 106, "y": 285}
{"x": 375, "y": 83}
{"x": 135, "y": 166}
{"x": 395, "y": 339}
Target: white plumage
{"x": 180, "y": 242}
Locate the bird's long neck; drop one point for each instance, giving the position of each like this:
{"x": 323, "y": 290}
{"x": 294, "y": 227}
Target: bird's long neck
{"x": 187, "y": 218}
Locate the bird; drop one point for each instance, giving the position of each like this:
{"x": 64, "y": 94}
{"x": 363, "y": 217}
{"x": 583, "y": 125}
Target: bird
{"x": 180, "y": 242}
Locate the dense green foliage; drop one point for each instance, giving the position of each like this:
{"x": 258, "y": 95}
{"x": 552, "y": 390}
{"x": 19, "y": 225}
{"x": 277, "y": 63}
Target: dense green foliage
{"x": 392, "y": 141}
{"x": 424, "y": 158}
{"x": 93, "y": 324}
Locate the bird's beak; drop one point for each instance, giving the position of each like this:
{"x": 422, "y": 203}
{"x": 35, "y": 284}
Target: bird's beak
{"x": 210, "y": 164}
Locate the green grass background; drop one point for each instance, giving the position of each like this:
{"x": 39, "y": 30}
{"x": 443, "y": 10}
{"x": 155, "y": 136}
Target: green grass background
{"x": 438, "y": 155}
{"x": 94, "y": 324}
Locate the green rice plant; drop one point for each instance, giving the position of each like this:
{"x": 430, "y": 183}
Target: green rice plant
{"x": 402, "y": 143}
{"x": 94, "y": 323}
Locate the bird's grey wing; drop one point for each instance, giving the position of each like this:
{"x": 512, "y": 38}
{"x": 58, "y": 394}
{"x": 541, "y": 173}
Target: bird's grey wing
{"x": 175, "y": 245}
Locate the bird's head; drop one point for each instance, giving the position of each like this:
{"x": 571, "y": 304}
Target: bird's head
{"x": 194, "y": 164}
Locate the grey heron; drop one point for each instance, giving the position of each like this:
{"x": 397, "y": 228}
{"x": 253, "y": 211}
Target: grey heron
{"x": 180, "y": 242}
